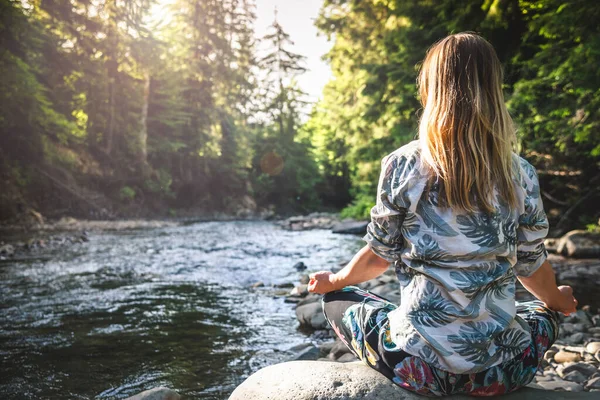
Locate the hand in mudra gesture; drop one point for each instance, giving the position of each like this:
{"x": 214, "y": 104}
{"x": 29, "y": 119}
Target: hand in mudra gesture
{"x": 322, "y": 282}
{"x": 565, "y": 303}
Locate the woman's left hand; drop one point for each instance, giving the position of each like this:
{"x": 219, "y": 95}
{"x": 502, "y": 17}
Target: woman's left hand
{"x": 322, "y": 282}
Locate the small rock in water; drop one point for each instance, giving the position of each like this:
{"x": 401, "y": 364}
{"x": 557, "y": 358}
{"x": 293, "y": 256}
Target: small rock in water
{"x": 348, "y": 357}
{"x": 306, "y": 312}
{"x": 257, "y": 285}
{"x": 300, "y": 290}
{"x": 7, "y": 250}
{"x": 325, "y": 348}
{"x": 299, "y": 266}
{"x": 309, "y": 353}
{"x": 159, "y": 393}
{"x": 565, "y": 356}
{"x": 309, "y": 298}
{"x": 284, "y": 285}
{"x": 318, "y": 321}
{"x": 338, "y": 350}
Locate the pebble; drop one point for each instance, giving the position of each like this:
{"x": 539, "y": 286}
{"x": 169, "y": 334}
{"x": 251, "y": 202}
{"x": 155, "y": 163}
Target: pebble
{"x": 562, "y": 385}
{"x": 309, "y": 353}
{"x": 318, "y": 321}
{"x": 593, "y": 383}
{"x": 348, "y": 357}
{"x": 565, "y": 356}
{"x": 584, "y": 368}
{"x": 338, "y": 350}
{"x": 549, "y": 356}
{"x": 575, "y": 376}
{"x": 567, "y": 328}
{"x": 576, "y": 338}
{"x": 299, "y": 266}
{"x": 574, "y": 349}
{"x": 325, "y": 348}
{"x": 300, "y": 290}
{"x": 592, "y": 347}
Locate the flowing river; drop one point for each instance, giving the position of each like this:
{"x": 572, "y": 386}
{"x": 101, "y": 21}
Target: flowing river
{"x": 132, "y": 310}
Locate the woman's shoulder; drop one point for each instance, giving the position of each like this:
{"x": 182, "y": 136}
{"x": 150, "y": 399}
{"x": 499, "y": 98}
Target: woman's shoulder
{"x": 525, "y": 172}
{"x": 407, "y": 154}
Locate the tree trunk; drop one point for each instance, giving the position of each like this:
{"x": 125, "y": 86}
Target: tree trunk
{"x": 143, "y": 138}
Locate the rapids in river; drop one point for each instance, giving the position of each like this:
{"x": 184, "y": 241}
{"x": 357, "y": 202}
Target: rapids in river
{"x": 132, "y": 310}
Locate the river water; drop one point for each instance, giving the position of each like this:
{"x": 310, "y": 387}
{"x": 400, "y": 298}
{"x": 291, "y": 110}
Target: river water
{"x": 133, "y": 310}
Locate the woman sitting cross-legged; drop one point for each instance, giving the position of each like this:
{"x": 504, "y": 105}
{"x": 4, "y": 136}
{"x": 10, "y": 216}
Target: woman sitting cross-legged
{"x": 461, "y": 217}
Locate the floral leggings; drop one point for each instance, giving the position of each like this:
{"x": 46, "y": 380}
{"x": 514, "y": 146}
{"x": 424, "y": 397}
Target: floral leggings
{"x": 360, "y": 320}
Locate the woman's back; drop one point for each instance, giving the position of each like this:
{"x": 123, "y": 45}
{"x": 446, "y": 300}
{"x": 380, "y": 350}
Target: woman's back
{"x": 457, "y": 268}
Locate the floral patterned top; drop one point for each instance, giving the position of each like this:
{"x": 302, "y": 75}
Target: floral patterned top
{"x": 457, "y": 271}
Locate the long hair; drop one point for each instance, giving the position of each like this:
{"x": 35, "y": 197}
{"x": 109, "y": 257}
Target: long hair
{"x": 467, "y": 136}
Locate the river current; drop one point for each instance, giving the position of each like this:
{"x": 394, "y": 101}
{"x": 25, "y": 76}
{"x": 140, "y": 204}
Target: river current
{"x": 132, "y": 310}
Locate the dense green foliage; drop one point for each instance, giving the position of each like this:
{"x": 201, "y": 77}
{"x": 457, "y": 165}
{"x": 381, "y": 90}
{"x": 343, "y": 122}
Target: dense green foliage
{"x": 550, "y": 50}
{"x": 107, "y": 107}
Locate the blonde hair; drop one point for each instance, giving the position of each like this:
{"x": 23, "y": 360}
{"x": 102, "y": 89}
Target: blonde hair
{"x": 467, "y": 136}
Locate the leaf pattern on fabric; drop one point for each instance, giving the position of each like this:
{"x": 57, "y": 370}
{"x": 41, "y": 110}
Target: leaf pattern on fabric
{"x": 432, "y": 309}
{"x": 533, "y": 191}
{"x": 534, "y": 218}
{"x": 474, "y": 339}
{"x": 472, "y": 280}
{"x": 429, "y": 250}
{"x": 511, "y": 342}
{"x": 433, "y": 221}
{"x": 454, "y": 268}
{"x": 410, "y": 226}
{"x": 481, "y": 228}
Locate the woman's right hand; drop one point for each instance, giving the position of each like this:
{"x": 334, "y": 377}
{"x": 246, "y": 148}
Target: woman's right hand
{"x": 322, "y": 282}
{"x": 565, "y": 302}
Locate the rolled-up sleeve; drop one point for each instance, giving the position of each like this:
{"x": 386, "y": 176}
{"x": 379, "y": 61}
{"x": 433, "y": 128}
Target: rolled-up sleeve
{"x": 533, "y": 227}
{"x": 384, "y": 231}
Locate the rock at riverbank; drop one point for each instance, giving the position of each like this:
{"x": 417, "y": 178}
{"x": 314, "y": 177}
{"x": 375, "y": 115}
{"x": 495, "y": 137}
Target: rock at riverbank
{"x": 312, "y": 380}
{"x": 159, "y": 393}
{"x": 351, "y": 227}
{"x": 35, "y": 246}
{"x": 578, "y": 244}
{"x": 310, "y": 221}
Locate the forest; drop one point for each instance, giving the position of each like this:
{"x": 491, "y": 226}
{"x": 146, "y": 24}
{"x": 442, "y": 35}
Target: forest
{"x": 149, "y": 108}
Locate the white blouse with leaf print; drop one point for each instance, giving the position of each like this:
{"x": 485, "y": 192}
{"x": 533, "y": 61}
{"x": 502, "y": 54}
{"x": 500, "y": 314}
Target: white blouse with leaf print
{"x": 456, "y": 270}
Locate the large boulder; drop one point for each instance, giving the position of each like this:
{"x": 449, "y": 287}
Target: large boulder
{"x": 351, "y": 227}
{"x": 579, "y": 244}
{"x": 321, "y": 380}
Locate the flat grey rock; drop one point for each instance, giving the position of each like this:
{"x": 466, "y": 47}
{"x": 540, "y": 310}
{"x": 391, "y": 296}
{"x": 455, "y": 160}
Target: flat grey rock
{"x": 159, "y": 393}
{"x": 321, "y": 380}
{"x": 351, "y": 227}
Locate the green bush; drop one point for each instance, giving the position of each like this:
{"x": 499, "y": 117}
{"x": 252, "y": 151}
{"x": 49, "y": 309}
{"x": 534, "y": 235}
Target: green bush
{"x": 360, "y": 208}
{"x": 127, "y": 193}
